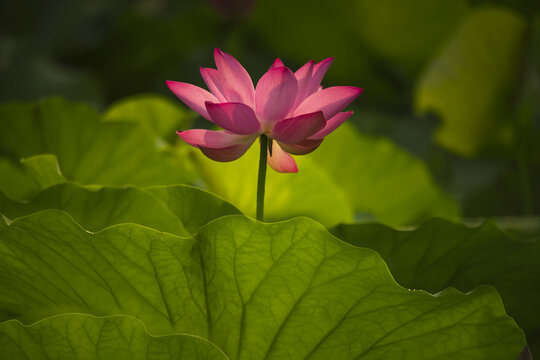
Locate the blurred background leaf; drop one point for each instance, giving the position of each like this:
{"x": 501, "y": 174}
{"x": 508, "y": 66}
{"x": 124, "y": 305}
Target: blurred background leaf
{"x": 88, "y": 150}
{"x": 406, "y": 33}
{"x": 381, "y": 180}
{"x": 350, "y": 176}
{"x": 157, "y": 114}
{"x": 310, "y": 192}
{"x": 471, "y": 84}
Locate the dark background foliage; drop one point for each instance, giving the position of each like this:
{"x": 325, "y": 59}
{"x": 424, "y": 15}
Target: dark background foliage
{"x": 99, "y": 51}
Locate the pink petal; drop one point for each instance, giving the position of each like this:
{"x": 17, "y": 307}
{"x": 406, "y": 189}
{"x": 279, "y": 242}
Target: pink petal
{"x": 319, "y": 70}
{"x": 235, "y": 117}
{"x": 193, "y": 96}
{"x": 332, "y": 124}
{"x": 330, "y": 100}
{"x": 213, "y": 82}
{"x": 305, "y": 71}
{"x": 236, "y": 84}
{"x": 303, "y": 77}
{"x": 213, "y": 139}
{"x": 218, "y": 145}
{"x": 226, "y": 154}
{"x": 280, "y": 161}
{"x": 277, "y": 63}
{"x": 275, "y": 95}
{"x": 303, "y": 147}
{"x": 295, "y": 129}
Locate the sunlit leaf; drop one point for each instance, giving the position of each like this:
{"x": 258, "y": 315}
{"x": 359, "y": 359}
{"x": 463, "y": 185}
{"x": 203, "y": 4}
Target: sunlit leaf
{"x": 311, "y": 192}
{"x": 471, "y": 85}
{"x": 349, "y": 172}
{"x": 78, "y": 336}
{"x": 88, "y": 150}
{"x": 257, "y": 291}
{"x": 179, "y": 209}
{"x": 381, "y": 179}
{"x": 192, "y": 206}
{"x": 157, "y": 114}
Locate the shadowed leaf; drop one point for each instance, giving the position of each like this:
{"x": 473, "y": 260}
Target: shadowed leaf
{"x": 440, "y": 254}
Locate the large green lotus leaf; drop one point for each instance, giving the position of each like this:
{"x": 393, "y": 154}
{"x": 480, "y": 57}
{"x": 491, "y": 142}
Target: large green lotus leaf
{"x": 471, "y": 84}
{"x": 178, "y": 209}
{"x": 157, "y": 114}
{"x": 440, "y": 254}
{"x": 427, "y": 24}
{"x": 88, "y": 150}
{"x": 257, "y": 291}
{"x": 194, "y": 207}
{"x": 310, "y": 192}
{"x": 381, "y": 179}
{"x": 79, "y": 336}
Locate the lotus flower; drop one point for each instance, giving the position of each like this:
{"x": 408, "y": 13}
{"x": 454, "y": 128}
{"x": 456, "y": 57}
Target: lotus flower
{"x": 292, "y": 109}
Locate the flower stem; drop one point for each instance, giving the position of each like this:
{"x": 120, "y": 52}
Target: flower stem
{"x": 262, "y": 178}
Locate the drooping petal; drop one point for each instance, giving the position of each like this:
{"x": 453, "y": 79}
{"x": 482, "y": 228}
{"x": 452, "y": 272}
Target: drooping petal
{"x": 226, "y": 154}
{"x": 193, "y": 96}
{"x": 303, "y": 147}
{"x": 235, "y": 117}
{"x": 218, "y": 145}
{"x": 331, "y": 125}
{"x": 275, "y": 95}
{"x": 280, "y": 161}
{"x": 236, "y": 84}
{"x": 298, "y": 128}
{"x": 213, "y": 82}
{"x": 213, "y": 139}
{"x": 330, "y": 100}
{"x": 303, "y": 77}
{"x": 277, "y": 63}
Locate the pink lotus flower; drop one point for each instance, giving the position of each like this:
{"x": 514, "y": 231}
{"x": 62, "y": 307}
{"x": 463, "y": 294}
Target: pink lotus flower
{"x": 292, "y": 109}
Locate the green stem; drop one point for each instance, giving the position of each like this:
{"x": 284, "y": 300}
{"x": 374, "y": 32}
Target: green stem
{"x": 262, "y": 178}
